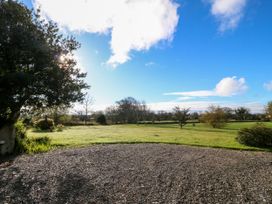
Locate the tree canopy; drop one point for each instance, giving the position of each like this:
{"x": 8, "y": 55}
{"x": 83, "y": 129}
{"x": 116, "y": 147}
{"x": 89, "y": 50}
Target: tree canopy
{"x": 37, "y": 67}
{"x": 182, "y": 115}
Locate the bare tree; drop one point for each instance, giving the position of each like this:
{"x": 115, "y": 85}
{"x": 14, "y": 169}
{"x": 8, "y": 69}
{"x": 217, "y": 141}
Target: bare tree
{"x": 87, "y": 102}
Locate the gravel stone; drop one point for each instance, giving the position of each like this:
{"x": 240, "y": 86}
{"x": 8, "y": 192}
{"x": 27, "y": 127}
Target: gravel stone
{"x": 138, "y": 173}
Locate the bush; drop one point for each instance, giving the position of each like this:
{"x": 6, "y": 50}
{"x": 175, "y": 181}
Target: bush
{"x": 59, "y": 127}
{"x": 44, "y": 124}
{"x": 215, "y": 117}
{"x": 20, "y": 136}
{"x": 101, "y": 119}
{"x": 258, "y": 136}
{"x": 23, "y": 144}
{"x": 20, "y": 129}
{"x": 36, "y": 145}
{"x": 33, "y": 145}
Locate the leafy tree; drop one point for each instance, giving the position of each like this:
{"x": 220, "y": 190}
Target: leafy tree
{"x": 37, "y": 68}
{"x": 242, "y": 113}
{"x": 228, "y": 112}
{"x": 128, "y": 110}
{"x": 182, "y": 115}
{"x": 194, "y": 116}
{"x": 268, "y": 110}
{"x": 215, "y": 116}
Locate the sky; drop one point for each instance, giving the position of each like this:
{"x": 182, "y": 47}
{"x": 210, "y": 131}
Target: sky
{"x": 191, "y": 53}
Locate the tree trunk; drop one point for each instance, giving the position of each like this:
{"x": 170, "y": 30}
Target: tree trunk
{"x": 7, "y": 139}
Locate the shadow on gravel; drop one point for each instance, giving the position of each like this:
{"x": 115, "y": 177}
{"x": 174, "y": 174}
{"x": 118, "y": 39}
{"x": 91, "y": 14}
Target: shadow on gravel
{"x": 74, "y": 188}
{"x": 6, "y": 161}
{"x": 17, "y": 187}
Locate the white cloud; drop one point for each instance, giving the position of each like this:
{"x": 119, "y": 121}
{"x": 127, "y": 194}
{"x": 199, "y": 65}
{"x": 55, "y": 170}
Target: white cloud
{"x": 268, "y": 86}
{"x": 185, "y": 98}
{"x": 133, "y": 24}
{"x": 228, "y": 86}
{"x": 228, "y": 12}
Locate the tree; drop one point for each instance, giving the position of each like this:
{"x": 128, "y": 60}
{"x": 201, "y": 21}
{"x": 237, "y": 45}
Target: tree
{"x": 37, "y": 67}
{"x": 182, "y": 115}
{"x": 268, "y": 110}
{"x": 215, "y": 116}
{"x": 112, "y": 114}
{"x": 228, "y": 113}
{"x": 101, "y": 119}
{"x": 242, "y": 113}
{"x": 87, "y": 102}
{"x": 128, "y": 110}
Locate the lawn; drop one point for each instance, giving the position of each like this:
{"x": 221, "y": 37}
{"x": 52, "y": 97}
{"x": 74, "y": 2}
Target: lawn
{"x": 200, "y": 135}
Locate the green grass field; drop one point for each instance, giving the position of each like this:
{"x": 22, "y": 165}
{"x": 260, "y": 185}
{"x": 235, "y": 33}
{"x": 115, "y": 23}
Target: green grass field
{"x": 200, "y": 135}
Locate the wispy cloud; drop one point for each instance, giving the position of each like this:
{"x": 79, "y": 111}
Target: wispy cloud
{"x": 228, "y": 12}
{"x": 149, "y": 64}
{"x": 268, "y": 86}
{"x": 133, "y": 24}
{"x": 185, "y": 98}
{"x": 228, "y": 86}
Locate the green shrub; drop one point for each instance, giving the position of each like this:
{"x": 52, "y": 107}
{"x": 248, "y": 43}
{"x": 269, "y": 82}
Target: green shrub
{"x": 45, "y": 124}
{"x": 101, "y": 119}
{"x": 59, "y": 127}
{"x": 34, "y": 145}
{"x": 258, "y": 136}
{"x": 20, "y": 131}
{"x": 23, "y": 144}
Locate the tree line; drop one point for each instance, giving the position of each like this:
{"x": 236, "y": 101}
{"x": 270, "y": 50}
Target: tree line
{"x": 132, "y": 111}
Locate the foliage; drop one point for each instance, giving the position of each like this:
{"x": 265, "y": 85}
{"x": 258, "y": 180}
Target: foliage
{"x": 36, "y": 145}
{"x": 23, "y": 144}
{"x": 101, "y": 119}
{"x": 257, "y": 136}
{"x": 127, "y": 110}
{"x": 59, "y": 127}
{"x": 45, "y": 124}
{"x": 215, "y": 116}
{"x": 20, "y": 131}
{"x": 37, "y": 67}
{"x": 242, "y": 113}
{"x": 182, "y": 115}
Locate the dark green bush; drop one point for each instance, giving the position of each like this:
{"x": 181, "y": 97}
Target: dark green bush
{"x": 45, "y": 124}
{"x": 101, "y": 119}
{"x": 258, "y": 136}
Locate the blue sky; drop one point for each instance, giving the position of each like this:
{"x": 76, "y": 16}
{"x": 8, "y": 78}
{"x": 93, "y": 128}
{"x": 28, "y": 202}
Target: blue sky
{"x": 206, "y": 52}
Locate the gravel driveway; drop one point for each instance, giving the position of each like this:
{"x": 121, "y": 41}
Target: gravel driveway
{"x": 139, "y": 173}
